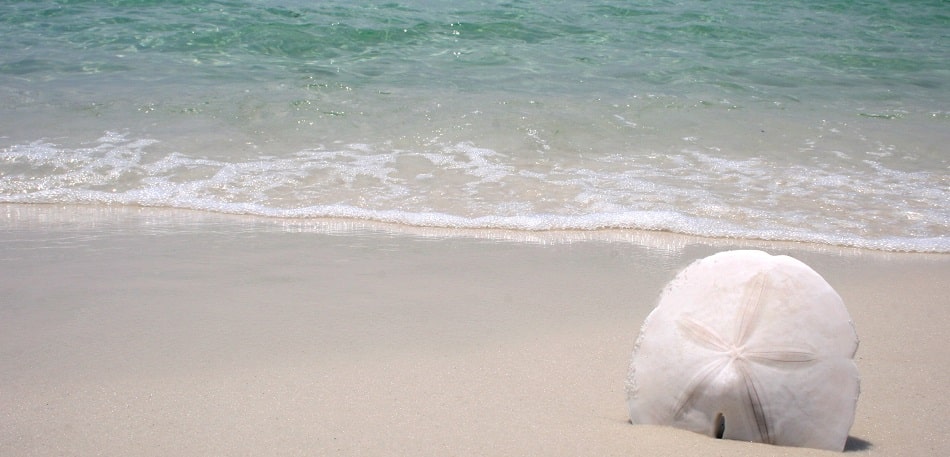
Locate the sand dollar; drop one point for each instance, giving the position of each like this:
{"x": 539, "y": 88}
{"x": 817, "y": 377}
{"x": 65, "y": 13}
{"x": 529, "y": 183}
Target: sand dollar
{"x": 748, "y": 346}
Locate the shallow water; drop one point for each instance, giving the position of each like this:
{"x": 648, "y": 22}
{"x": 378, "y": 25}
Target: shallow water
{"x": 809, "y": 121}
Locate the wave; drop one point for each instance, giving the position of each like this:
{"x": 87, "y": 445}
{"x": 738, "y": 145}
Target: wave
{"x": 462, "y": 186}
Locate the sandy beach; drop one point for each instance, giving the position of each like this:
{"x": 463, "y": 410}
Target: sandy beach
{"x": 158, "y": 332}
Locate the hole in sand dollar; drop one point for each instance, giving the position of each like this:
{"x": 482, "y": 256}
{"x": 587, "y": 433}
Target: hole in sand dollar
{"x": 720, "y": 425}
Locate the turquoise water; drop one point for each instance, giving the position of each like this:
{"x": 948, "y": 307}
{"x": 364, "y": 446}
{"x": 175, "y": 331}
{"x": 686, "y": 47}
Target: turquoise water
{"x": 812, "y": 121}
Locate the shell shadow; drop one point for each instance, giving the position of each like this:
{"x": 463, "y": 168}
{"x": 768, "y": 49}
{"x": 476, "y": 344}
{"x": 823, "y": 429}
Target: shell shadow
{"x": 855, "y": 444}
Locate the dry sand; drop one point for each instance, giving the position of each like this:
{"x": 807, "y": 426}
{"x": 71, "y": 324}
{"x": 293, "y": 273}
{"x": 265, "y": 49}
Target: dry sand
{"x": 146, "y": 332}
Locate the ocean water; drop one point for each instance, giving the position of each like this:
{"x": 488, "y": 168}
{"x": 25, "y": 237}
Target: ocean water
{"x": 819, "y": 121}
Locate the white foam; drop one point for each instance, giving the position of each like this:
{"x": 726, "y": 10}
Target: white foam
{"x": 846, "y": 202}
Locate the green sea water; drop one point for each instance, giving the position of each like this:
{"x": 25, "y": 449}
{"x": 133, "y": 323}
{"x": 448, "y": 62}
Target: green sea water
{"x": 802, "y": 120}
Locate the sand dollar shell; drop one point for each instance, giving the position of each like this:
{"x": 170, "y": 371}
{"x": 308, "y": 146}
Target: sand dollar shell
{"x": 748, "y": 346}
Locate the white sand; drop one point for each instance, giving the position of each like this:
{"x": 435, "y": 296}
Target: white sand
{"x": 144, "y": 332}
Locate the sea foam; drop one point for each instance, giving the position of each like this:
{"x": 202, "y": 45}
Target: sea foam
{"x": 461, "y": 185}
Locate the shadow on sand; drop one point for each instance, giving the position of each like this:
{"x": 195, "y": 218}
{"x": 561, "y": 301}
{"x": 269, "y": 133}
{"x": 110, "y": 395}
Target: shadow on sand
{"x": 856, "y": 444}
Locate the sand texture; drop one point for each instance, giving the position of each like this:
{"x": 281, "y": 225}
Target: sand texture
{"x": 143, "y": 332}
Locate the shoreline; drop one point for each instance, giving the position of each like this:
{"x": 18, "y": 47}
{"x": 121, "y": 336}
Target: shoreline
{"x": 138, "y": 331}
{"x": 105, "y": 217}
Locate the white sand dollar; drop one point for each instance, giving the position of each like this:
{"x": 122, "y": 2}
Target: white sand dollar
{"x": 748, "y": 346}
